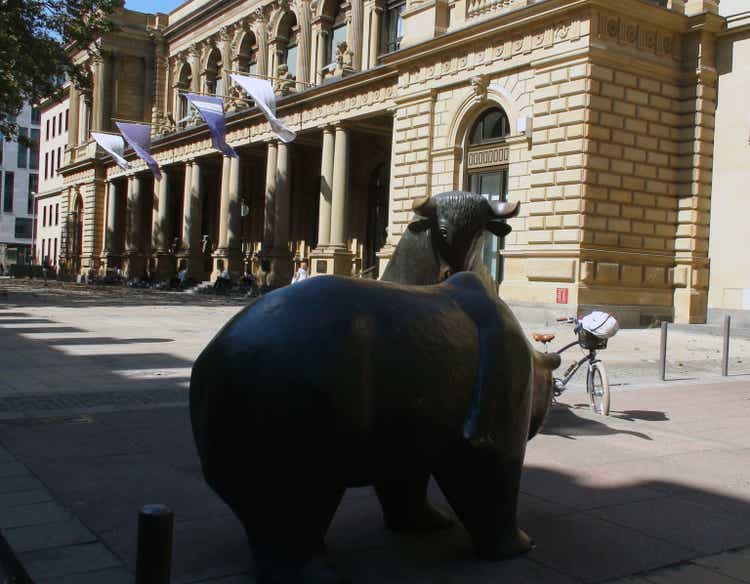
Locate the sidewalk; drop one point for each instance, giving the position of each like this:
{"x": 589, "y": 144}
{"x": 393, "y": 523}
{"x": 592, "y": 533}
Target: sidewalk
{"x": 93, "y": 425}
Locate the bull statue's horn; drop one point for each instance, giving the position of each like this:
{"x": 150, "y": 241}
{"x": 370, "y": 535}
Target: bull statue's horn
{"x": 505, "y": 210}
{"x": 420, "y": 202}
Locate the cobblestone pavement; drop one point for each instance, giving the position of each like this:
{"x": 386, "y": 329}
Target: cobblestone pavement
{"x": 93, "y": 424}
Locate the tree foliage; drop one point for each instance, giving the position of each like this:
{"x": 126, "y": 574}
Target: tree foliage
{"x": 38, "y": 39}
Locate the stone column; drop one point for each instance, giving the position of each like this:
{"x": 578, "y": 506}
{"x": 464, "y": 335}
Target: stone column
{"x": 234, "y": 219}
{"x": 195, "y": 69}
{"x": 160, "y": 229}
{"x": 229, "y": 199}
{"x": 281, "y": 259}
{"x": 322, "y": 257}
{"x": 191, "y": 221}
{"x": 303, "y": 44}
{"x": 355, "y": 34}
{"x": 342, "y": 260}
{"x": 326, "y": 182}
{"x": 269, "y": 209}
{"x": 133, "y": 256}
{"x": 160, "y": 83}
{"x": 111, "y": 256}
{"x": 101, "y": 78}
{"x": 374, "y": 41}
{"x": 262, "y": 54}
{"x": 73, "y": 109}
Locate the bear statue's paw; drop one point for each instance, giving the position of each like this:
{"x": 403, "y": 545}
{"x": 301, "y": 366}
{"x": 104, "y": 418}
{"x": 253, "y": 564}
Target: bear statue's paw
{"x": 515, "y": 543}
{"x": 424, "y": 518}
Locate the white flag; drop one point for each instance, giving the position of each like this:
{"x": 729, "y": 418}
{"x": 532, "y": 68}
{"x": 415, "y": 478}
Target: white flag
{"x": 113, "y": 144}
{"x": 261, "y": 92}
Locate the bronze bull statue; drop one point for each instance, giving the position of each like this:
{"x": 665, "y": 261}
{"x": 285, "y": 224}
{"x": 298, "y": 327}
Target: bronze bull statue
{"x": 335, "y": 383}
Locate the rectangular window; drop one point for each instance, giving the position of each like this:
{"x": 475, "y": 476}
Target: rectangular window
{"x": 46, "y": 165}
{"x": 54, "y": 121}
{"x": 57, "y": 213}
{"x": 47, "y": 131}
{"x": 59, "y": 123}
{"x": 54, "y": 256}
{"x": 23, "y": 151}
{"x": 23, "y": 227}
{"x": 291, "y": 60}
{"x": 34, "y": 151}
{"x": 52, "y": 165}
{"x": 44, "y": 216}
{"x": 66, "y": 119}
{"x": 8, "y": 185}
{"x": 33, "y": 188}
{"x": 59, "y": 157}
{"x": 36, "y": 116}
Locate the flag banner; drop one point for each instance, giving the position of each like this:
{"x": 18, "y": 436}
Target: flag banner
{"x": 261, "y": 92}
{"x": 139, "y": 137}
{"x": 211, "y": 110}
{"x": 113, "y": 144}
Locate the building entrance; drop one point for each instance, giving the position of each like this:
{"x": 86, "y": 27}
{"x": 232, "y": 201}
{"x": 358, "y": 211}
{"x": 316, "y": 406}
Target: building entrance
{"x": 487, "y": 160}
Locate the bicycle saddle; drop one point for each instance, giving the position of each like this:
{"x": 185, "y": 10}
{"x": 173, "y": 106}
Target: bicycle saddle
{"x": 542, "y": 337}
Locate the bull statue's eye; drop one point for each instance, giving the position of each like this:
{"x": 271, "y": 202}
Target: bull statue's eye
{"x": 444, "y": 232}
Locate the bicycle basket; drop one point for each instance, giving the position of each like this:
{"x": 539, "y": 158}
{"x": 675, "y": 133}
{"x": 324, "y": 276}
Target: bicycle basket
{"x": 589, "y": 341}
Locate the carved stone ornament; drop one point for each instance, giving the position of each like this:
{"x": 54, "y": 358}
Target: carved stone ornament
{"x": 284, "y": 84}
{"x": 479, "y": 86}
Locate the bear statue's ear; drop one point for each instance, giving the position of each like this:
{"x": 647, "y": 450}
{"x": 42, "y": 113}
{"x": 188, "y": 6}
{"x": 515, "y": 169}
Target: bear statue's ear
{"x": 419, "y": 224}
{"x": 498, "y": 227}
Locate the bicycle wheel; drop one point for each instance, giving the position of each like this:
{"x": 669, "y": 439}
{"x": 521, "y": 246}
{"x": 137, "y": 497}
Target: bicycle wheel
{"x": 597, "y": 386}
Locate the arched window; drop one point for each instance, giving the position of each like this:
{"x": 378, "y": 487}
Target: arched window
{"x": 288, "y": 43}
{"x": 184, "y": 82}
{"x": 393, "y": 25}
{"x": 213, "y": 73}
{"x": 338, "y": 31}
{"x": 491, "y": 126}
{"x": 247, "y": 55}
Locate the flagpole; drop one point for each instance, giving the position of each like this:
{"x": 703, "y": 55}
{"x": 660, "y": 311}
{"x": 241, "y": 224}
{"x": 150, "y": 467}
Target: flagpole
{"x": 269, "y": 77}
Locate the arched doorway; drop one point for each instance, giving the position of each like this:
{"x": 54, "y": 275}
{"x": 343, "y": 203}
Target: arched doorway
{"x": 377, "y": 218}
{"x": 487, "y": 174}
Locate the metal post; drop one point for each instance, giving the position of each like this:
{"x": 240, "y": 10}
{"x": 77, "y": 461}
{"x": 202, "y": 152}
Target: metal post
{"x": 663, "y": 352}
{"x": 725, "y": 347}
{"x": 154, "y": 561}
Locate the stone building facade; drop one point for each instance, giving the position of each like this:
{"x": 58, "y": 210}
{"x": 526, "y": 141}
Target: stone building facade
{"x": 597, "y": 116}
{"x": 55, "y": 121}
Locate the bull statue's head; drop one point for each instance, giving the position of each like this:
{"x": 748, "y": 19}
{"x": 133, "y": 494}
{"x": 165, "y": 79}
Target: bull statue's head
{"x": 444, "y": 236}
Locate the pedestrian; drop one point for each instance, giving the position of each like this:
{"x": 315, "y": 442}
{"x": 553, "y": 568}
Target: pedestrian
{"x": 301, "y": 273}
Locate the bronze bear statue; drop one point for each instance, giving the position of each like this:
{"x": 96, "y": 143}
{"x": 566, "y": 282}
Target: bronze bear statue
{"x": 336, "y": 382}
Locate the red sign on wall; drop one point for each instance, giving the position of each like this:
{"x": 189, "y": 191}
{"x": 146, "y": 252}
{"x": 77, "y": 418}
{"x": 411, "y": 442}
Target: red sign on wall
{"x": 562, "y": 295}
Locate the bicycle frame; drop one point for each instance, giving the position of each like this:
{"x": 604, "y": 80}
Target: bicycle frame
{"x": 575, "y": 366}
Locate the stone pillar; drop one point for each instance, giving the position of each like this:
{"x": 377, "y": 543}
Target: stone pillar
{"x": 320, "y": 48}
{"x": 229, "y": 242}
{"x": 269, "y": 209}
{"x": 342, "y": 260}
{"x": 191, "y": 221}
{"x": 303, "y": 44}
{"x": 262, "y": 54}
{"x": 133, "y": 256}
{"x": 281, "y": 258}
{"x": 355, "y": 33}
{"x": 321, "y": 257}
{"x": 101, "y": 78}
{"x": 376, "y": 12}
{"x": 160, "y": 230}
{"x": 111, "y": 256}
{"x": 73, "y": 109}
{"x": 161, "y": 72}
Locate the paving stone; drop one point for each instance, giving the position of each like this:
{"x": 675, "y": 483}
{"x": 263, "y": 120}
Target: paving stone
{"x": 111, "y": 576}
{"x": 16, "y": 484}
{"x": 35, "y": 514}
{"x": 12, "y": 469}
{"x": 37, "y": 537}
{"x": 67, "y": 561}
{"x": 15, "y": 499}
{"x": 735, "y": 564}
{"x": 688, "y": 574}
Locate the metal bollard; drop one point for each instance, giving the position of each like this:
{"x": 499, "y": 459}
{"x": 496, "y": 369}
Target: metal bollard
{"x": 725, "y": 348}
{"x": 154, "y": 561}
{"x": 663, "y": 352}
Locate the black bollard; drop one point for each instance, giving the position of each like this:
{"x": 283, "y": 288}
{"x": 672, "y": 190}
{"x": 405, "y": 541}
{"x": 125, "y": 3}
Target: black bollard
{"x": 663, "y": 352}
{"x": 154, "y": 561}
{"x": 725, "y": 346}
